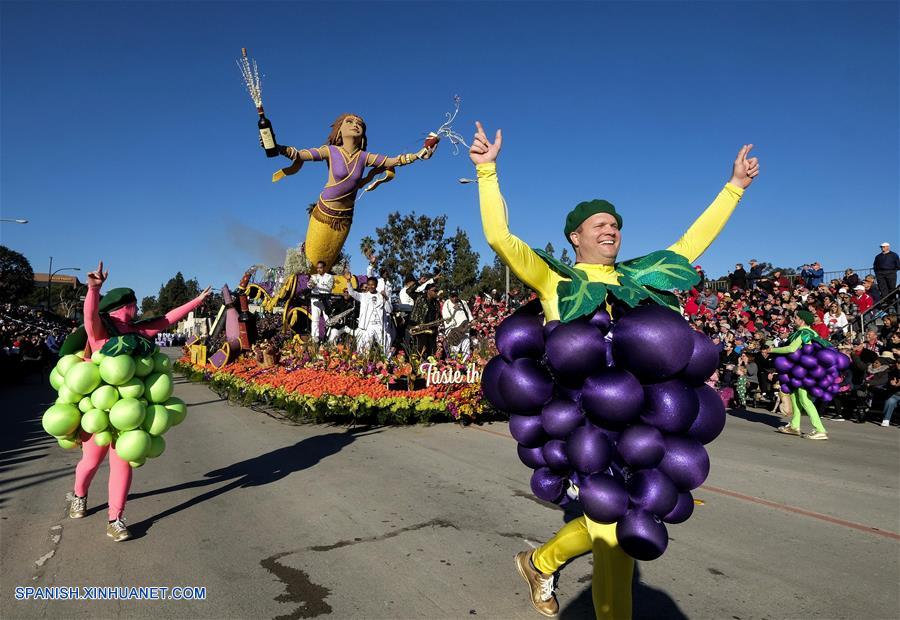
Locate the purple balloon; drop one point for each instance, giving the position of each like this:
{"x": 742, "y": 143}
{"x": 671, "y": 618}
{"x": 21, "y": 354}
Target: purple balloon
{"x": 560, "y": 417}
{"x": 520, "y": 335}
{"x": 601, "y": 320}
{"x": 827, "y": 357}
{"x": 784, "y": 378}
{"x": 683, "y": 510}
{"x": 785, "y": 389}
{"x": 795, "y": 383}
{"x": 798, "y": 371}
{"x": 808, "y": 349}
{"x": 547, "y": 486}
{"x": 549, "y": 326}
{"x": 826, "y": 381}
{"x": 576, "y": 350}
{"x": 827, "y": 397}
{"x": 612, "y": 397}
{"x": 808, "y": 382}
{"x": 795, "y": 356}
{"x": 642, "y": 446}
{"x": 555, "y": 455}
{"x": 603, "y": 498}
{"x": 711, "y": 417}
{"x": 642, "y": 535}
{"x": 525, "y": 386}
{"x": 817, "y": 391}
{"x": 527, "y": 430}
{"x": 588, "y": 450}
{"x": 670, "y": 406}
{"x": 490, "y": 382}
{"x": 653, "y": 342}
{"x": 782, "y": 364}
{"x": 834, "y": 389}
{"x": 653, "y": 491}
{"x": 532, "y": 457}
{"x": 809, "y": 361}
{"x": 568, "y": 393}
{"x": 686, "y": 462}
{"x": 704, "y": 359}
{"x": 843, "y": 362}
{"x": 817, "y": 372}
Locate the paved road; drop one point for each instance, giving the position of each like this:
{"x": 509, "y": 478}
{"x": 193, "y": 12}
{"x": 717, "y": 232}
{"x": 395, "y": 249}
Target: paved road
{"x": 278, "y": 520}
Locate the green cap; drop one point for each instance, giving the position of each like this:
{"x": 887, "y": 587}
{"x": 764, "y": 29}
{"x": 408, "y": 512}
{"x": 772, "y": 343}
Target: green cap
{"x": 584, "y": 210}
{"x": 807, "y": 316}
{"x": 116, "y": 298}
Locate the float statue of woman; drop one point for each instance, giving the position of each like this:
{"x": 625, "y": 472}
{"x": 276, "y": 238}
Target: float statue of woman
{"x": 347, "y": 158}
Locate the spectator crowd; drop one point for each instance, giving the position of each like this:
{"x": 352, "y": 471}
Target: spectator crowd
{"x": 29, "y": 339}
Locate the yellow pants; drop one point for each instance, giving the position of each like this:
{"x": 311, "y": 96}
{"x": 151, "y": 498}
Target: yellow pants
{"x": 324, "y": 242}
{"x": 613, "y": 568}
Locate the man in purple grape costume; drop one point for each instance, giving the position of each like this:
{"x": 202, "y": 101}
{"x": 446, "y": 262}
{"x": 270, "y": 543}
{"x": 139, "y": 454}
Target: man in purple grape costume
{"x": 598, "y": 372}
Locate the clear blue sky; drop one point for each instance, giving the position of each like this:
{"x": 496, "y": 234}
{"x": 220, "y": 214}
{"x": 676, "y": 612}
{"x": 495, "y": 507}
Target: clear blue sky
{"x": 126, "y": 134}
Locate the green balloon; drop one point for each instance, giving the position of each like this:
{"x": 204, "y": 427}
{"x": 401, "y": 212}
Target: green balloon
{"x": 143, "y": 366}
{"x": 61, "y": 420}
{"x": 136, "y": 464}
{"x": 56, "y": 379}
{"x": 159, "y": 387}
{"x": 66, "y": 362}
{"x": 177, "y": 411}
{"x": 117, "y": 370}
{"x": 104, "y": 397}
{"x": 156, "y": 422}
{"x": 83, "y": 378}
{"x": 68, "y": 395}
{"x": 161, "y": 363}
{"x": 94, "y": 421}
{"x": 126, "y": 414}
{"x": 103, "y": 438}
{"x": 67, "y": 444}
{"x": 133, "y": 388}
{"x": 157, "y": 447}
{"x": 98, "y": 357}
{"x": 133, "y": 445}
{"x": 84, "y": 405}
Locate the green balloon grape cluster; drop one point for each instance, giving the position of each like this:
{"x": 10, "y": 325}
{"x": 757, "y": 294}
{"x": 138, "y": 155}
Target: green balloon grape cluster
{"x": 121, "y": 400}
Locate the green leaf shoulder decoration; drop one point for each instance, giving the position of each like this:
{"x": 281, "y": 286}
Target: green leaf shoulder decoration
{"x": 129, "y": 344}
{"x": 652, "y": 277}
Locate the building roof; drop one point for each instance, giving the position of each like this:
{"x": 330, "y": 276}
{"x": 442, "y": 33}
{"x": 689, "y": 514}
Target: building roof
{"x": 59, "y": 278}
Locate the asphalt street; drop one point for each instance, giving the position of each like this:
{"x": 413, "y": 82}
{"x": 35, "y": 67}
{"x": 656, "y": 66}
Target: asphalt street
{"x": 283, "y": 520}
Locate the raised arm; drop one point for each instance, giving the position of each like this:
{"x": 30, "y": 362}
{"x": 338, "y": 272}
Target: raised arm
{"x": 707, "y": 227}
{"x": 96, "y": 332}
{"x": 353, "y": 293}
{"x": 151, "y": 328}
{"x": 528, "y": 266}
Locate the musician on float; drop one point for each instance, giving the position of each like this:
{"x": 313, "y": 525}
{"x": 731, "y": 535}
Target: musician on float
{"x": 321, "y": 284}
{"x": 423, "y": 321}
{"x": 457, "y": 318}
{"x": 374, "y": 311}
{"x": 343, "y": 320}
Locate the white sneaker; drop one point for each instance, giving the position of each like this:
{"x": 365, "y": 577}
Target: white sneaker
{"x": 885, "y": 422}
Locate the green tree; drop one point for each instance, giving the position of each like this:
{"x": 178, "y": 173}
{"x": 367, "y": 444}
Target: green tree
{"x": 176, "y": 292}
{"x": 463, "y": 271}
{"x": 408, "y": 244}
{"x": 494, "y": 277}
{"x": 149, "y": 306}
{"x": 549, "y": 249}
{"x": 16, "y": 276}
{"x": 564, "y": 258}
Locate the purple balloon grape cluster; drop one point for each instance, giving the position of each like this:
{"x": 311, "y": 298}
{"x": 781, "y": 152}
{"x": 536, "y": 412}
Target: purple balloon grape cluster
{"x": 814, "y": 368}
{"x": 617, "y": 410}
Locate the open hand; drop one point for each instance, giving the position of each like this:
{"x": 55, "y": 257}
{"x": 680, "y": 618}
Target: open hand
{"x": 483, "y": 151}
{"x": 744, "y": 170}
{"x": 206, "y": 292}
{"x": 98, "y": 277}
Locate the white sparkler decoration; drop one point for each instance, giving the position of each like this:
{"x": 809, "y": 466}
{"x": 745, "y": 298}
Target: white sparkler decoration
{"x": 250, "y": 73}
{"x": 446, "y": 130}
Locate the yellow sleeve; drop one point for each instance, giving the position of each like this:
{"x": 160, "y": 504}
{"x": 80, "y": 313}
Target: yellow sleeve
{"x": 708, "y": 226}
{"x": 528, "y": 266}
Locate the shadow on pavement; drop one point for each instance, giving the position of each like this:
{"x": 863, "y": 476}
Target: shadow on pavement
{"x": 769, "y": 419}
{"x": 257, "y": 471}
{"x": 647, "y": 603}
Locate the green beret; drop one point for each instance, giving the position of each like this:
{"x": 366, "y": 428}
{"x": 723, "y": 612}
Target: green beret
{"x": 807, "y": 316}
{"x": 116, "y": 298}
{"x": 584, "y": 210}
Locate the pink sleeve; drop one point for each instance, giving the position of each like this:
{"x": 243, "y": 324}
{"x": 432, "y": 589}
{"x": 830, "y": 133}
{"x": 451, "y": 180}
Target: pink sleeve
{"x": 172, "y": 317}
{"x": 96, "y": 333}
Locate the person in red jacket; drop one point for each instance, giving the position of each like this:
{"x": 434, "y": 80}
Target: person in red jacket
{"x": 819, "y": 327}
{"x": 861, "y": 298}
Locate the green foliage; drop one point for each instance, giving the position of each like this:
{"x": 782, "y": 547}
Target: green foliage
{"x": 408, "y": 244}
{"x": 16, "y": 276}
{"x": 176, "y": 292}
{"x": 149, "y": 306}
{"x": 463, "y": 272}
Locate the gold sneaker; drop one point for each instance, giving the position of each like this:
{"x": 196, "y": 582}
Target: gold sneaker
{"x": 788, "y": 430}
{"x": 541, "y": 585}
{"x": 117, "y": 530}
{"x": 77, "y": 506}
{"x": 816, "y": 435}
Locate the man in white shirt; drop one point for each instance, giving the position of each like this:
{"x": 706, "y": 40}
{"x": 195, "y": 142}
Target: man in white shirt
{"x": 374, "y": 311}
{"x": 457, "y": 317}
{"x": 321, "y": 283}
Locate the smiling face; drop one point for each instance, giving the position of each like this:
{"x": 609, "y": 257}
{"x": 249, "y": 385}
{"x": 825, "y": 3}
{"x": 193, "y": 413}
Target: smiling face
{"x": 352, "y": 130}
{"x": 597, "y": 240}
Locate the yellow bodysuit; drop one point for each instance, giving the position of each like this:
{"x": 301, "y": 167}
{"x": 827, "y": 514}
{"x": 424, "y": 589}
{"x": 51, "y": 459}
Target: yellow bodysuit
{"x": 613, "y": 568}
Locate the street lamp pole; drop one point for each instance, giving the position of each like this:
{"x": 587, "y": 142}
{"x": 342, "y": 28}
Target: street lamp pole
{"x": 15, "y": 221}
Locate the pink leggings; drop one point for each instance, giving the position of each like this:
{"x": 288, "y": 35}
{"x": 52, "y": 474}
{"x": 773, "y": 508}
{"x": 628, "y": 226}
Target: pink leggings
{"x": 92, "y": 456}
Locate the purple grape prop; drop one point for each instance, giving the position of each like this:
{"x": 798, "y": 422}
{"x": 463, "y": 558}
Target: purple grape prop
{"x": 614, "y": 411}
{"x": 812, "y": 367}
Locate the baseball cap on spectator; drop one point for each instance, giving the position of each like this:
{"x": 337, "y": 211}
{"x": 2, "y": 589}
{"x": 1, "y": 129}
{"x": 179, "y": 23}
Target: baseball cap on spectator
{"x": 885, "y": 244}
{"x": 842, "y": 291}
{"x": 859, "y": 287}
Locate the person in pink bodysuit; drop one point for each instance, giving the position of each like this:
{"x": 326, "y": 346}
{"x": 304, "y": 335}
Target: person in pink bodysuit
{"x": 98, "y": 325}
